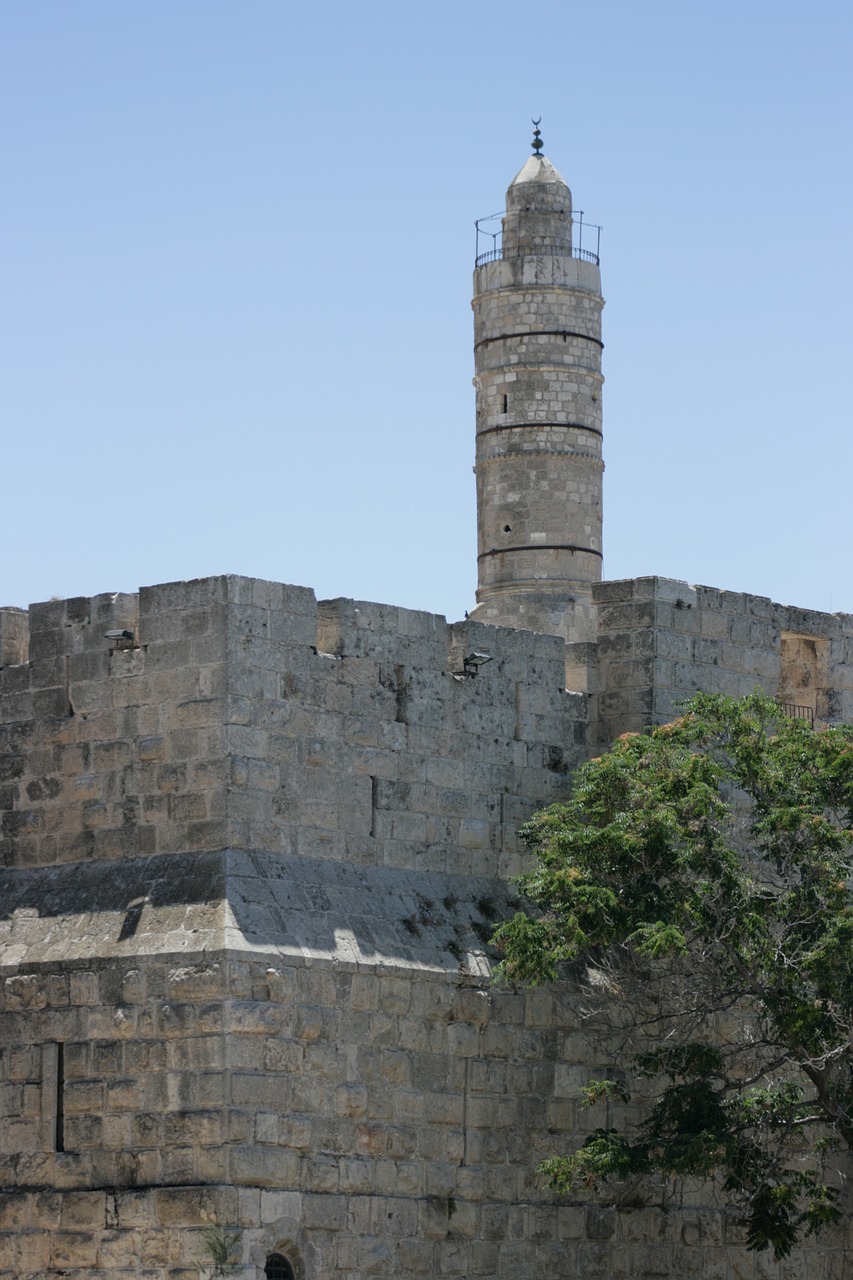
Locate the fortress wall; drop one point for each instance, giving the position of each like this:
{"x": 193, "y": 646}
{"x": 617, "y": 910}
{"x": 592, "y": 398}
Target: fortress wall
{"x": 114, "y": 747}
{"x": 363, "y": 1121}
{"x": 661, "y": 640}
{"x": 817, "y": 662}
{"x": 268, "y": 974}
{"x": 374, "y": 752}
{"x": 237, "y": 717}
{"x": 251, "y": 857}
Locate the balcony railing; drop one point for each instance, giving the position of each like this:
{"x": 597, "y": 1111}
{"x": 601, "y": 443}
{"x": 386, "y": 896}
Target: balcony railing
{"x": 537, "y": 251}
{"x": 496, "y": 250}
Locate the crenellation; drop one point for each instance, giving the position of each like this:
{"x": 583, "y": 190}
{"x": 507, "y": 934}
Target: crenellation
{"x": 714, "y": 641}
{"x": 14, "y": 637}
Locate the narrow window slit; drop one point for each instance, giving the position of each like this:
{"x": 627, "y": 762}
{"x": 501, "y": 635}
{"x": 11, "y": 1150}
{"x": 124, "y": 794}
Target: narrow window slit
{"x": 401, "y": 691}
{"x": 60, "y": 1097}
{"x": 69, "y": 705}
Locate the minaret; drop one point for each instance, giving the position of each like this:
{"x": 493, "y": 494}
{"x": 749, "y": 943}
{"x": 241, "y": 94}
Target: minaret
{"x": 537, "y": 350}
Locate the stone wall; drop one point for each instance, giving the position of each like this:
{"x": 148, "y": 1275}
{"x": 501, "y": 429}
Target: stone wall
{"x": 253, "y": 848}
{"x": 238, "y": 716}
{"x": 361, "y": 1120}
{"x": 252, "y": 851}
{"x": 660, "y": 640}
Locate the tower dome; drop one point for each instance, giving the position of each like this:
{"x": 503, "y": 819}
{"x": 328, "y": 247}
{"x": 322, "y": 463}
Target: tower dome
{"x": 538, "y": 208}
{"x": 537, "y": 349}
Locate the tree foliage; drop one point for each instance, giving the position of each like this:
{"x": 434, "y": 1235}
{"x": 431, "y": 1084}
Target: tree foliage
{"x": 705, "y": 868}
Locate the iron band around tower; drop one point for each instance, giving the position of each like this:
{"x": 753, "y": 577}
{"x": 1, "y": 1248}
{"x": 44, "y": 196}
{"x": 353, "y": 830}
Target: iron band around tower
{"x": 542, "y": 546}
{"x": 491, "y": 373}
{"x": 540, "y": 426}
{"x": 565, "y": 334}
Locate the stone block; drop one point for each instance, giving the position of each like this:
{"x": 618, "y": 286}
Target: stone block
{"x": 273, "y": 1206}
{"x": 14, "y": 636}
{"x": 416, "y": 1258}
{"x": 73, "y": 1249}
{"x": 266, "y": 1167}
{"x": 318, "y": 1180}
{"x": 617, "y": 591}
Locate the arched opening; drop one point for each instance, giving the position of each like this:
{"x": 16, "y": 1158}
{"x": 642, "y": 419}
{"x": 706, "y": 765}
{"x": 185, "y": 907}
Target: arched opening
{"x": 278, "y": 1268}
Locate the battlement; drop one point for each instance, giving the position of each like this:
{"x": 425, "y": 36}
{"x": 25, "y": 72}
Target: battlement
{"x": 661, "y": 640}
{"x": 258, "y": 741}
{"x": 229, "y": 712}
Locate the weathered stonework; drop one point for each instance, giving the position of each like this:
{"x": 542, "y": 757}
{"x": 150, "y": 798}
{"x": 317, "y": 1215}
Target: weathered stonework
{"x": 252, "y": 850}
{"x": 252, "y": 847}
{"x": 537, "y": 348}
{"x": 660, "y": 640}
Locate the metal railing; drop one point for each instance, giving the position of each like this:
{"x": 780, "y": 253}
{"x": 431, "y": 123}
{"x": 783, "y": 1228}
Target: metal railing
{"x": 537, "y": 251}
{"x": 497, "y": 252}
{"x": 796, "y": 712}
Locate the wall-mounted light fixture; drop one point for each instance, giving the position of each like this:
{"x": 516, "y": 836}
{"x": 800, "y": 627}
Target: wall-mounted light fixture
{"x": 471, "y": 664}
{"x": 123, "y": 639}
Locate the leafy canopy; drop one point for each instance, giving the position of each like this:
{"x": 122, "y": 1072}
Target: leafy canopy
{"x": 705, "y": 867}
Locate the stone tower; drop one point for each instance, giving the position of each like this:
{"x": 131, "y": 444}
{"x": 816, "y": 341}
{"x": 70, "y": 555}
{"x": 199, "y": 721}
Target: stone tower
{"x": 537, "y": 344}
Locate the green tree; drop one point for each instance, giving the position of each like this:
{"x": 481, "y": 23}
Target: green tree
{"x": 701, "y": 874}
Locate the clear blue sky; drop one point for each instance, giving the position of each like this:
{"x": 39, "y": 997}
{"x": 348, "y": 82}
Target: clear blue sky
{"x": 237, "y": 241}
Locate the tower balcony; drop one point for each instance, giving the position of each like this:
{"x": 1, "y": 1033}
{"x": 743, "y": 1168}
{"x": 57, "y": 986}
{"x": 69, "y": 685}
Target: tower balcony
{"x": 490, "y": 246}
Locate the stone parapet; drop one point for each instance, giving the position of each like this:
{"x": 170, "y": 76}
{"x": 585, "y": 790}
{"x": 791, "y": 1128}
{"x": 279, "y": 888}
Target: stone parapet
{"x": 661, "y": 640}
{"x": 235, "y": 714}
{"x": 14, "y": 636}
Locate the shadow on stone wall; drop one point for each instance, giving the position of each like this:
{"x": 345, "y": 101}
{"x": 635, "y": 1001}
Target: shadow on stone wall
{"x": 304, "y": 906}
